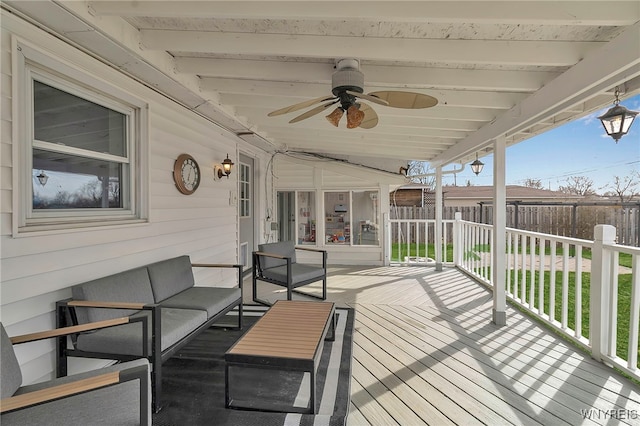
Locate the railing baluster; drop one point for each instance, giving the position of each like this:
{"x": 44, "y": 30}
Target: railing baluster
{"x": 578, "y": 292}
{"x": 509, "y": 265}
{"x": 565, "y": 285}
{"x": 523, "y": 281}
{"x": 542, "y": 260}
{"x": 634, "y": 320}
{"x": 516, "y": 238}
{"x": 531, "y": 270}
{"x": 613, "y": 298}
{"x": 552, "y": 282}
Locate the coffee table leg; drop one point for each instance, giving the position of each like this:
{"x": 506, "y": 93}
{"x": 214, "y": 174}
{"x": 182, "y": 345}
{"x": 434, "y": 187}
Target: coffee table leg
{"x": 313, "y": 392}
{"x": 227, "y": 401}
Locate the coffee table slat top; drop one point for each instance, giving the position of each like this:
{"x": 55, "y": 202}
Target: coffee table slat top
{"x": 289, "y": 329}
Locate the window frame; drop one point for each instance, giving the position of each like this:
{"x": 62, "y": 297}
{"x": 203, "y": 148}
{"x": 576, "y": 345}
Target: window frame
{"x": 33, "y": 64}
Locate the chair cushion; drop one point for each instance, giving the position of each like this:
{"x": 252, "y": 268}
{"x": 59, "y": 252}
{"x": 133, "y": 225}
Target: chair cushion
{"x": 127, "y": 339}
{"x": 128, "y": 286}
{"x": 170, "y": 277}
{"x": 113, "y": 405}
{"x": 10, "y": 373}
{"x": 209, "y": 299}
{"x": 283, "y": 248}
{"x": 300, "y": 273}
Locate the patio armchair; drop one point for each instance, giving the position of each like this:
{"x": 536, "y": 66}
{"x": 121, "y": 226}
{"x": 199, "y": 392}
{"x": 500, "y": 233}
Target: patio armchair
{"x": 276, "y": 263}
{"x": 116, "y": 395}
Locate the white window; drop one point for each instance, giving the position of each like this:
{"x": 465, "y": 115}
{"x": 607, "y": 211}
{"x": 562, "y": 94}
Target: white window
{"x": 83, "y": 162}
{"x": 245, "y": 190}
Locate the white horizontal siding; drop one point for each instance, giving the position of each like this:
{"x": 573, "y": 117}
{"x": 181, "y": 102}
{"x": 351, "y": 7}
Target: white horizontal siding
{"x": 37, "y": 270}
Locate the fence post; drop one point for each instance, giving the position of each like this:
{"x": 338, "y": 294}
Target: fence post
{"x": 599, "y": 298}
{"x": 457, "y": 239}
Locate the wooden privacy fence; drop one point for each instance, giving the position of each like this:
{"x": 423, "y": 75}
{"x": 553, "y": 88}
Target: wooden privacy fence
{"x": 568, "y": 220}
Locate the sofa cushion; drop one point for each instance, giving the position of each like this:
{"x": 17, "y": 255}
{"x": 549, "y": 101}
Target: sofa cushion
{"x": 127, "y": 339}
{"x": 283, "y": 248}
{"x": 112, "y": 405}
{"x": 209, "y": 299}
{"x": 170, "y": 277}
{"x": 128, "y": 286}
{"x": 10, "y": 373}
{"x": 299, "y": 272}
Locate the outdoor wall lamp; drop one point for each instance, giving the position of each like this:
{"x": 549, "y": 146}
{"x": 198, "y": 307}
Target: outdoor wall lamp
{"x": 42, "y": 178}
{"x": 223, "y": 169}
{"x": 618, "y": 119}
{"x": 477, "y": 166}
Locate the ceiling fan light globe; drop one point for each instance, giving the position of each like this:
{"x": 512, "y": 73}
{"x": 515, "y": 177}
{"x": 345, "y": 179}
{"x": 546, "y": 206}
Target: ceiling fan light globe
{"x": 354, "y": 117}
{"x": 335, "y": 116}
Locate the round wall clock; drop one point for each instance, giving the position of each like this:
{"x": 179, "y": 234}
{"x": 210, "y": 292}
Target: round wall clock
{"x": 186, "y": 174}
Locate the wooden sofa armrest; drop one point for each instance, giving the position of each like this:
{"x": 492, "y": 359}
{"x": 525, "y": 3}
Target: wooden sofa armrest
{"x": 60, "y": 391}
{"x": 41, "y": 335}
{"x": 311, "y": 249}
{"x": 215, "y": 265}
{"x": 110, "y": 305}
{"x": 275, "y": 256}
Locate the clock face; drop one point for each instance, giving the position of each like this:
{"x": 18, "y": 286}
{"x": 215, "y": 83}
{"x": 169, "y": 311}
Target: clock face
{"x": 186, "y": 174}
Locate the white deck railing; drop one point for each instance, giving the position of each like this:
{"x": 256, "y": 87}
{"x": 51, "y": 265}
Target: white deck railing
{"x": 556, "y": 279}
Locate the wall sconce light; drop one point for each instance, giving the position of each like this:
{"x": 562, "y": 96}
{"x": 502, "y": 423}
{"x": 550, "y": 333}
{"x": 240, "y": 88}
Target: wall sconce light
{"x": 476, "y": 166}
{"x": 223, "y": 169}
{"x": 617, "y": 121}
{"x": 42, "y": 178}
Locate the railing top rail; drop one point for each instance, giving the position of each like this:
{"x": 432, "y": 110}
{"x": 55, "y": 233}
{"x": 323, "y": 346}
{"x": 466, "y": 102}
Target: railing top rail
{"x": 421, "y": 220}
{"x": 570, "y": 240}
{"x": 623, "y": 249}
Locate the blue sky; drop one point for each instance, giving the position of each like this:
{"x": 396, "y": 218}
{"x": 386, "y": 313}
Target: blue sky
{"x": 579, "y": 148}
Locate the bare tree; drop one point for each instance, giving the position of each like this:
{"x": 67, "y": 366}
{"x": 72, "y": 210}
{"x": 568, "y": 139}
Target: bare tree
{"x": 578, "y": 185}
{"x": 533, "y": 183}
{"x": 418, "y": 169}
{"x": 625, "y": 187}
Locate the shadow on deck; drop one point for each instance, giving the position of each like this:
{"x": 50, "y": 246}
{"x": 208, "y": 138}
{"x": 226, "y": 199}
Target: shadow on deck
{"x": 425, "y": 352}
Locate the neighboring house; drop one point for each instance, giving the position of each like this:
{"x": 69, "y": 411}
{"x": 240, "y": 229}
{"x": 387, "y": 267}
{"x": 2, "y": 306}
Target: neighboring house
{"x": 469, "y": 196}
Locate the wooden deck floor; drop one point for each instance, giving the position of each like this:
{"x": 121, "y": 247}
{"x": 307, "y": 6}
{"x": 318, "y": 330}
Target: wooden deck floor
{"x": 425, "y": 352}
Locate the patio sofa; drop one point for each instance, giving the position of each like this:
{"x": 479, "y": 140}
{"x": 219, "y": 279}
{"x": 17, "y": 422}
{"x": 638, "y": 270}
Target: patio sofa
{"x": 116, "y": 395}
{"x": 166, "y": 309}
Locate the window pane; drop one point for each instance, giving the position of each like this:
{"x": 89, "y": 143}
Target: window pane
{"x": 337, "y": 226}
{"x": 63, "y": 118}
{"x": 62, "y": 181}
{"x": 306, "y": 217}
{"x": 365, "y": 217}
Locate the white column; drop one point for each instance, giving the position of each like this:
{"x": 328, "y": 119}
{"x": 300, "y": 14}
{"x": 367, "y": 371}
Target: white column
{"x": 438, "y": 233}
{"x": 499, "y": 245}
{"x": 599, "y": 300}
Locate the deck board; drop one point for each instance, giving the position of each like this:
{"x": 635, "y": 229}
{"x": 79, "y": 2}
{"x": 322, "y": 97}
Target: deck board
{"x": 425, "y": 352}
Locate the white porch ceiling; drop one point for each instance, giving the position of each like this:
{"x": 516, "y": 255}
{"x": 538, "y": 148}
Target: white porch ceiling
{"x": 517, "y": 68}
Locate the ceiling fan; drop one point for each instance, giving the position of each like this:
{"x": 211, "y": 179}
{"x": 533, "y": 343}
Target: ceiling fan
{"x": 347, "y": 84}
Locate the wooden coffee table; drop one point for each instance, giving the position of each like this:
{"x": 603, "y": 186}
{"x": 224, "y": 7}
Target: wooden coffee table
{"x": 289, "y": 336}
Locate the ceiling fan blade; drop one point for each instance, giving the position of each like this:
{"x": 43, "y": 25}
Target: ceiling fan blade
{"x": 313, "y": 111}
{"x": 370, "y": 119}
{"x": 299, "y": 106}
{"x": 408, "y": 100}
{"x": 371, "y": 98}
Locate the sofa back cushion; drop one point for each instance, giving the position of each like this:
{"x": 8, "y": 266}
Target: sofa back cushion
{"x": 170, "y": 277}
{"x": 128, "y": 286}
{"x": 10, "y": 374}
{"x": 282, "y": 248}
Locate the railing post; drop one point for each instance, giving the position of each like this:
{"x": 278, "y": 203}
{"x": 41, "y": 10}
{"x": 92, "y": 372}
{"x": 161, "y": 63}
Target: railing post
{"x": 457, "y": 239}
{"x": 599, "y": 298}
